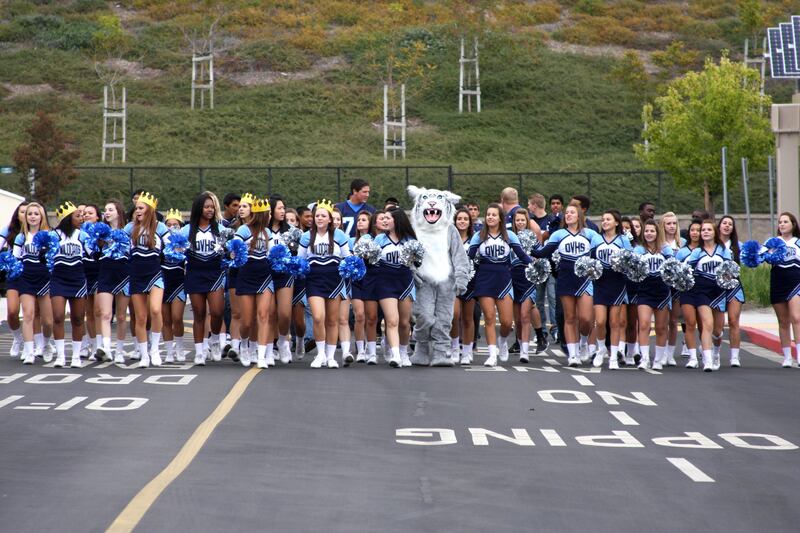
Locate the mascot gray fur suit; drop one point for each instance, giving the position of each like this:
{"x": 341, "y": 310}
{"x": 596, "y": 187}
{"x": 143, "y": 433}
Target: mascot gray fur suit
{"x": 444, "y": 273}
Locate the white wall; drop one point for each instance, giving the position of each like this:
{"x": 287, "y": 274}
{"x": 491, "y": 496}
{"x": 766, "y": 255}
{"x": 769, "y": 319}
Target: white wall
{"x": 8, "y": 202}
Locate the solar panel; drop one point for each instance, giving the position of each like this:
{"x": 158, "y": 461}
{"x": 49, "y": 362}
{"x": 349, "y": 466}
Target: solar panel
{"x": 796, "y": 36}
{"x": 776, "y": 53}
{"x": 789, "y": 51}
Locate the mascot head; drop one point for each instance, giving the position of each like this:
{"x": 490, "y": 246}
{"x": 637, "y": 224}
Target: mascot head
{"x": 432, "y": 208}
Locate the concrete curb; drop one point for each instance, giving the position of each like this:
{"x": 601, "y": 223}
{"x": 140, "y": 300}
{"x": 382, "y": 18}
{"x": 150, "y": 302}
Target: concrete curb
{"x": 761, "y": 338}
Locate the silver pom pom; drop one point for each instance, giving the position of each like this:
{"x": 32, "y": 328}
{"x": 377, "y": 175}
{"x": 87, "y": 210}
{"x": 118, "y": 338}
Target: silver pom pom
{"x": 368, "y": 250}
{"x": 411, "y": 253}
{"x": 527, "y": 240}
{"x": 677, "y": 275}
{"x": 621, "y": 260}
{"x": 637, "y": 270}
{"x": 728, "y": 275}
{"x": 555, "y": 258}
{"x": 291, "y": 238}
{"x": 538, "y": 271}
{"x": 470, "y": 270}
{"x": 586, "y": 267}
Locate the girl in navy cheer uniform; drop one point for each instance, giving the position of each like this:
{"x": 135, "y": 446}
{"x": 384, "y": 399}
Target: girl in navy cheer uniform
{"x": 610, "y": 294}
{"x": 784, "y": 287}
{"x": 254, "y": 285}
{"x": 174, "y": 301}
{"x": 92, "y": 340}
{"x": 572, "y": 242}
{"x": 726, "y": 227}
{"x": 146, "y": 280}
{"x": 524, "y": 290}
{"x": 7, "y": 236}
{"x": 686, "y": 298}
{"x": 113, "y": 279}
{"x": 672, "y": 238}
{"x": 34, "y": 283}
{"x": 68, "y": 282}
{"x": 205, "y": 278}
{"x": 493, "y": 284}
{"x": 281, "y": 314}
{"x": 357, "y": 288}
{"x": 463, "y": 328}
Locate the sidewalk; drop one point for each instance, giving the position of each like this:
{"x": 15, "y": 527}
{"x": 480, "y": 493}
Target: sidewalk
{"x": 760, "y": 326}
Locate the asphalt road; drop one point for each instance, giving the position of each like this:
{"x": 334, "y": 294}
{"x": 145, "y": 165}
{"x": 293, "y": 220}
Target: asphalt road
{"x": 381, "y": 449}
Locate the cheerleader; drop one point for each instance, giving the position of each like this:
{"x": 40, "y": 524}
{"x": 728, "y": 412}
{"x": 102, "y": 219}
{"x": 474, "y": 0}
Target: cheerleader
{"x": 254, "y": 288}
{"x": 393, "y": 285}
{"x": 687, "y": 301}
{"x": 573, "y": 241}
{"x": 609, "y": 291}
{"x": 173, "y": 303}
{"x": 709, "y": 298}
{"x": 324, "y": 247}
{"x": 7, "y": 237}
{"x": 633, "y": 231}
{"x": 146, "y": 280}
{"x": 464, "y": 306}
{"x": 239, "y": 346}
{"x": 205, "y": 277}
{"x": 672, "y": 238}
{"x": 370, "y": 302}
{"x": 784, "y": 287}
{"x": 34, "y": 283}
{"x": 281, "y": 315}
{"x": 92, "y": 340}
{"x": 344, "y": 306}
{"x": 524, "y": 291}
{"x": 655, "y": 297}
{"x": 493, "y": 284}
{"x": 113, "y": 294}
{"x": 726, "y": 227}
{"x": 357, "y": 287}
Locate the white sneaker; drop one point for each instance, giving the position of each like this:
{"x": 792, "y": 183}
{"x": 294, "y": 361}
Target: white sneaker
{"x": 119, "y": 358}
{"x": 629, "y": 360}
{"x": 787, "y": 362}
{"x": 244, "y": 357}
{"x": 29, "y": 359}
{"x": 466, "y": 360}
{"x": 37, "y": 352}
{"x": 708, "y": 364}
{"x": 502, "y": 351}
{"x": 685, "y": 350}
{"x": 715, "y": 364}
{"x": 657, "y": 364}
{"x": 200, "y": 359}
{"x": 170, "y": 358}
{"x": 361, "y": 357}
{"x": 49, "y": 352}
{"x": 319, "y": 361}
{"x": 144, "y": 362}
{"x": 405, "y": 361}
{"x": 155, "y": 357}
{"x": 134, "y": 355}
{"x": 597, "y": 361}
{"x": 270, "y": 360}
{"x": 285, "y": 351}
{"x": 644, "y": 363}
{"x": 671, "y": 360}
{"x": 735, "y": 363}
{"x": 214, "y": 349}
{"x": 523, "y": 358}
{"x": 347, "y": 359}
{"x": 612, "y": 363}
{"x": 692, "y": 362}
{"x": 395, "y": 361}
{"x": 331, "y": 363}
{"x": 261, "y": 362}
{"x": 75, "y": 362}
{"x": 16, "y": 348}
{"x": 61, "y": 362}
{"x": 573, "y": 361}
{"x": 490, "y": 361}
{"x": 583, "y": 353}
{"x": 180, "y": 356}
{"x": 372, "y": 360}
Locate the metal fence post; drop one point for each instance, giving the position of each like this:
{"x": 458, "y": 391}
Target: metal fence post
{"x": 745, "y": 178}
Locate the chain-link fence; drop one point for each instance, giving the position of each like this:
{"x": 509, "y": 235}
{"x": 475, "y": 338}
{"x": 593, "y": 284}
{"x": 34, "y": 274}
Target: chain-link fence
{"x": 176, "y": 186}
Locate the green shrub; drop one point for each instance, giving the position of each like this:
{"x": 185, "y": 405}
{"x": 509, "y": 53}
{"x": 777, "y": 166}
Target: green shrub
{"x": 756, "y": 285}
{"x": 73, "y": 35}
{"x": 89, "y": 6}
{"x": 269, "y": 55}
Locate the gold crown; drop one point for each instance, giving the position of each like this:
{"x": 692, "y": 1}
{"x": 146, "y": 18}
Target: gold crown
{"x": 260, "y": 206}
{"x": 174, "y": 214}
{"x": 149, "y": 199}
{"x": 64, "y": 210}
{"x": 326, "y": 205}
{"x": 248, "y": 198}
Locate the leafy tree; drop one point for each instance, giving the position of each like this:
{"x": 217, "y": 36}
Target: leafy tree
{"x": 631, "y": 71}
{"x": 751, "y": 15}
{"x": 48, "y": 154}
{"x": 700, "y": 113}
{"x": 675, "y": 60}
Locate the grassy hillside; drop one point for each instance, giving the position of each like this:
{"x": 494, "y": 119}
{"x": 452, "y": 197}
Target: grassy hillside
{"x": 550, "y": 101}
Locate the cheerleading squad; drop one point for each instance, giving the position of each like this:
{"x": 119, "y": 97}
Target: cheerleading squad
{"x": 271, "y": 265}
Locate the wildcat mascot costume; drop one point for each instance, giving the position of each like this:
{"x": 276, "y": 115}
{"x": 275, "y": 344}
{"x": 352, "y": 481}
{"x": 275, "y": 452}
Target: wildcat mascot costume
{"x": 443, "y": 274}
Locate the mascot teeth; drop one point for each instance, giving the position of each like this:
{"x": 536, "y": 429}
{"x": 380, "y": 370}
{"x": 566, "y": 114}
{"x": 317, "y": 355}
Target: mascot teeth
{"x": 432, "y": 216}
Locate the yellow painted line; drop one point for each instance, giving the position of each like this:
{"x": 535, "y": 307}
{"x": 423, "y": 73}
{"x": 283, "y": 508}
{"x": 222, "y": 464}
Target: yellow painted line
{"x": 130, "y": 517}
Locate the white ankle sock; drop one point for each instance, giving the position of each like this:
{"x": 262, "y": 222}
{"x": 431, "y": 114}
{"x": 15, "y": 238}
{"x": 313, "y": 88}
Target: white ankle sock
{"x": 372, "y": 347}
{"x": 454, "y": 342}
{"x": 60, "y": 347}
{"x": 360, "y": 346}
{"x": 345, "y": 347}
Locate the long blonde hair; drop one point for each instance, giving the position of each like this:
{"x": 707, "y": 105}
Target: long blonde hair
{"x": 43, "y": 225}
{"x": 670, "y": 214}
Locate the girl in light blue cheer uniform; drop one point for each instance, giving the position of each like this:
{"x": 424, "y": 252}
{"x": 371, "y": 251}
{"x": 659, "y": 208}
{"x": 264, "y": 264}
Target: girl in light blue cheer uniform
{"x": 92, "y": 339}
{"x": 324, "y": 247}
{"x": 572, "y": 242}
{"x": 784, "y": 287}
{"x": 147, "y": 281}
{"x": 524, "y": 291}
{"x": 254, "y": 288}
{"x": 655, "y": 297}
{"x": 34, "y": 283}
{"x": 7, "y": 236}
{"x": 238, "y": 345}
{"x": 687, "y": 300}
{"x": 376, "y": 227}
{"x": 493, "y": 284}
{"x": 633, "y": 231}
{"x": 174, "y": 301}
{"x": 610, "y": 295}
{"x": 359, "y": 287}
{"x": 707, "y": 296}
{"x": 672, "y": 238}
{"x": 726, "y": 227}
{"x": 393, "y": 285}
{"x": 280, "y": 317}
{"x": 113, "y": 283}
{"x": 68, "y": 282}
{"x": 463, "y": 329}
{"x": 344, "y": 305}
{"x": 205, "y": 277}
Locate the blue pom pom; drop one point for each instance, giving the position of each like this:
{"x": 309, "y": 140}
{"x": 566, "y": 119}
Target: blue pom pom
{"x": 237, "y": 251}
{"x": 118, "y": 244}
{"x": 750, "y": 254}
{"x": 10, "y": 265}
{"x": 352, "y": 268}
{"x": 279, "y": 256}
{"x": 41, "y": 240}
{"x": 95, "y": 232}
{"x": 298, "y": 267}
{"x": 176, "y": 246}
{"x": 776, "y": 251}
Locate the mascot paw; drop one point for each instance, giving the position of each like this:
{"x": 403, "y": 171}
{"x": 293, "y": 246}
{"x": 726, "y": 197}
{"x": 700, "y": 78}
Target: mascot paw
{"x": 419, "y": 359}
{"x": 442, "y": 360}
